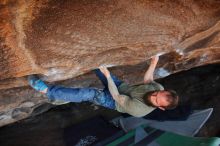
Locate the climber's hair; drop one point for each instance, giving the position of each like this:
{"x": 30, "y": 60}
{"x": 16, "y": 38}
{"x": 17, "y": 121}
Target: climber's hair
{"x": 173, "y": 99}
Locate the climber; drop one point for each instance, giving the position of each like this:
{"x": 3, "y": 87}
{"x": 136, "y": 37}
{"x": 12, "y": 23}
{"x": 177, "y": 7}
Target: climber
{"x": 136, "y": 100}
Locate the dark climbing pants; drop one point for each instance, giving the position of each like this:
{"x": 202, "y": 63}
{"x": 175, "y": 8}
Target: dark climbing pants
{"x": 98, "y": 96}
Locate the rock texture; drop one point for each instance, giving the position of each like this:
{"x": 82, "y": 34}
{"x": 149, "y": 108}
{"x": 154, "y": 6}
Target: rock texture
{"x": 63, "y": 39}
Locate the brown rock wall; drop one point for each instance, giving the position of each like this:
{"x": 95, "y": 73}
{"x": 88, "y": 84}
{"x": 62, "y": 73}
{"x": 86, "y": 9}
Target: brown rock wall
{"x": 63, "y": 39}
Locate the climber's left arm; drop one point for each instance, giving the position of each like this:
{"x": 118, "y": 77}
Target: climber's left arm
{"x": 120, "y": 99}
{"x": 149, "y": 75}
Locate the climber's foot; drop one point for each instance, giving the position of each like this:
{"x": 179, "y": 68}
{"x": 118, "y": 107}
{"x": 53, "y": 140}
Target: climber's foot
{"x": 36, "y": 83}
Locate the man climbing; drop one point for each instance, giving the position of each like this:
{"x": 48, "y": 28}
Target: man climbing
{"x": 136, "y": 100}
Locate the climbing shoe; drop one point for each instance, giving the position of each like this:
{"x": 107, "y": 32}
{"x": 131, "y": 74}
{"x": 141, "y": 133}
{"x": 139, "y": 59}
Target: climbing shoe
{"x": 37, "y": 83}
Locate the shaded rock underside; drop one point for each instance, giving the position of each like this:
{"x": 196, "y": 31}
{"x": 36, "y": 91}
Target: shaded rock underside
{"x": 198, "y": 87}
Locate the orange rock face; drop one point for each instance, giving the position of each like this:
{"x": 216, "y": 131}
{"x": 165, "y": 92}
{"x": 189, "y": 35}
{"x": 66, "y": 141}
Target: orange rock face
{"x": 64, "y": 39}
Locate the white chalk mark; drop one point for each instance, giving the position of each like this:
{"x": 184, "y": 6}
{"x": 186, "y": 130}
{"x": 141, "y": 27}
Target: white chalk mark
{"x": 161, "y": 72}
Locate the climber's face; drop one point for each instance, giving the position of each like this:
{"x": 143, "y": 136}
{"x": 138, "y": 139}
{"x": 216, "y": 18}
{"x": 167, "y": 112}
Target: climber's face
{"x": 163, "y": 99}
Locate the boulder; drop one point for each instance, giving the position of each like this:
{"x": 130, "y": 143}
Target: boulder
{"x": 61, "y": 40}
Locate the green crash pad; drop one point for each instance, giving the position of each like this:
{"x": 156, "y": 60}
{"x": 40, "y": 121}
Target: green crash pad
{"x": 145, "y": 135}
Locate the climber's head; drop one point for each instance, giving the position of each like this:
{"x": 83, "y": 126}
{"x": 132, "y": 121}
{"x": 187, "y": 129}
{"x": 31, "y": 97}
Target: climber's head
{"x": 164, "y": 99}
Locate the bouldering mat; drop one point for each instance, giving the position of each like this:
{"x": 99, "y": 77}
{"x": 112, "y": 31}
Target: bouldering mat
{"x": 188, "y": 127}
{"x": 148, "y": 136}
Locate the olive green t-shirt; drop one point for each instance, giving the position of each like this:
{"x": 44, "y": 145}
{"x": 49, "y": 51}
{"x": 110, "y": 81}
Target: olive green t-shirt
{"x": 134, "y": 104}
